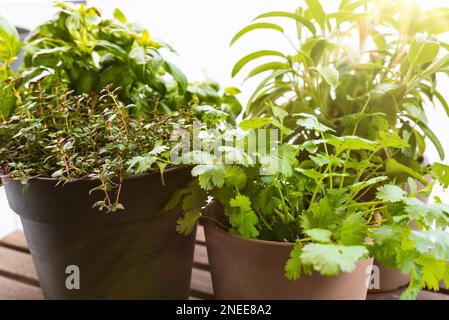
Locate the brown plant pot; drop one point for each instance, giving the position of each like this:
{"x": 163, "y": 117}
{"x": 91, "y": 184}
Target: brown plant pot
{"x": 134, "y": 253}
{"x": 254, "y": 270}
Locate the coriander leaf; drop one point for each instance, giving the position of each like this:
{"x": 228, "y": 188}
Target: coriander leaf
{"x": 254, "y": 123}
{"x": 243, "y": 220}
{"x": 330, "y": 75}
{"x": 390, "y": 193}
{"x": 433, "y": 271}
{"x": 433, "y": 241}
{"x": 330, "y": 259}
{"x": 186, "y": 224}
{"x": 441, "y": 172}
{"x": 311, "y": 122}
{"x": 282, "y": 160}
{"x": 292, "y": 268}
{"x": 235, "y": 177}
{"x": 319, "y": 235}
{"x": 415, "y": 208}
{"x": 353, "y": 230}
{"x": 210, "y": 176}
{"x": 357, "y": 187}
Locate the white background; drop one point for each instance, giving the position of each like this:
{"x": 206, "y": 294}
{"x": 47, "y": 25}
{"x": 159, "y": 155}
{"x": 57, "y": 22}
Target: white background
{"x": 200, "y": 31}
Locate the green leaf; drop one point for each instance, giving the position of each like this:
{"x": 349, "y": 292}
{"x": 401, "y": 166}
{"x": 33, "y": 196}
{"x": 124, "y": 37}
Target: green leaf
{"x": 441, "y": 172}
{"x": 433, "y": 241}
{"x": 391, "y": 193}
{"x": 186, "y": 224}
{"x": 330, "y": 259}
{"x": 319, "y": 235}
{"x": 252, "y": 56}
{"x": 254, "y": 123}
{"x": 330, "y": 75}
{"x": 351, "y": 143}
{"x": 210, "y": 176}
{"x": 317, "y": 11}
{"x": 275, "y": 65}
{"x": 283, "y": 161}
{"x": 281, "y": 14}
{"x": 244, "y": 221}
{"x": 394, "y": 168}
{"x": 293, "y": 266}
{"x": 255, "y": 26}
{"x": 10, "y": 43}
{"x": 176, "y": 198}
{"x": 235, "y": 177}
{"x": 118, "y": 14}
{"x": 422, "y": 51}
{"x": 353, "y": 230}
{"x": 311, "y": 122}
{"x": 8, "y": 100}
{"x": 357, "y": 187}
{"x": 177, "y": 74}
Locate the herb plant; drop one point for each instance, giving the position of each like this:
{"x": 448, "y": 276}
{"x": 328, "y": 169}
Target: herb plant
{"x": 316, "y": 198}
{"x": 95, "y": 100}
{"x": 363, "y": 69}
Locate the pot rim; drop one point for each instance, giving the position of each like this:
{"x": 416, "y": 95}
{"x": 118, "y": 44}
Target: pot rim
{"x": 133, "y": 176}
{"x": 211, "y": 225}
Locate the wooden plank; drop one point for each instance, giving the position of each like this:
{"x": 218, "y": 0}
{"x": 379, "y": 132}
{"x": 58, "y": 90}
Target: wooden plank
{"x": 200, "y": 259}
{"x": 200, "y": 237}
{"x": 14, "y": 290}
{"x": 17, "y": 265}
{"x": 16, "y": 241}
{"x": 201, "y": 284}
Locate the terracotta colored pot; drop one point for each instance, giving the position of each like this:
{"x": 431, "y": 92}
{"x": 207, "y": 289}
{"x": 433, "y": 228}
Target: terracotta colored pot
{"x": 254, "y": 270}
{"x": 134, "y": 253}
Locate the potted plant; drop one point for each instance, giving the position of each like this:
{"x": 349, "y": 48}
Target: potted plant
{"x": 300, "y": 211}
{"x": 86, "y": 127}
{"x": 367, "y": 67}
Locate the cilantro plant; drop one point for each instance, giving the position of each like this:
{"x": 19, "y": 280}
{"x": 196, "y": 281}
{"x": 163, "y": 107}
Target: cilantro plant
{"x": 363, "y": 69}
{"x": 316, "y": 199}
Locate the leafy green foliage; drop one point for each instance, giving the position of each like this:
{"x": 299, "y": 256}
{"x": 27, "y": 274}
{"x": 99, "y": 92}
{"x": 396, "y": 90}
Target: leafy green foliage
{"x": 10, "y": 43}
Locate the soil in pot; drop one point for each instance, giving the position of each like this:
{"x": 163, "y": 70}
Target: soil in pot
{"x": 134, "y": 253}
{"x": 254, "y": 270}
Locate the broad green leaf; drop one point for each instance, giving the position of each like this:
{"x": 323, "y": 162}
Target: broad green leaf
{"x": 282, "y": 14}
{"x": 254, "y": 123}
{"x": 255, "y": 26}
{"x": 422, "y": 51}
{"x": 118, "y": 14}
{"x": 7, "y": 100}
{"x": 391, "y": 193}
{"x": 330, "y": 259}
{"x": 178, "y": 75}
{"x": 317, "y": 11}
{"x": 319, "y": 235}
{"x": 330, "y": 75}
{"x": 10, "y": 43}
{"x": 395, "y": 168}
{"x": 252, "y": 56}
{"x": 351, "y": 143}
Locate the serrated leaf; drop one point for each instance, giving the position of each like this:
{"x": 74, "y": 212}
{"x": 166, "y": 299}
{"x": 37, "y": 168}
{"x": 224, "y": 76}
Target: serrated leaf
{"x": 292, "y": 268}
{"x": 330, "y": 259}
{"x": 319, "y": 235}
{"x": 186, "y": 224}
{"x": 432, "y": 241}
{"x": 441, "y": 172}
{"x": 235, "y": 177}
{"x": 353, "y": 230}
{"x": 391, "y": 193}
{"x": 311, "y": 122}
{"x": 255, "y": 26}
{"x": 243, "y": 220}
{"x": 357, "y": 187}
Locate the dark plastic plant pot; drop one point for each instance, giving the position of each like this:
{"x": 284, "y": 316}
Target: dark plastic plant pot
{"x": 134, "y": 253}
{"x": 254, "y": 270}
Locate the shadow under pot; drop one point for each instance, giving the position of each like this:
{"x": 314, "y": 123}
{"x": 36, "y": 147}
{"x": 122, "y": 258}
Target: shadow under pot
{"x": 82, "y": 253}
{"x": 254, "y": 270}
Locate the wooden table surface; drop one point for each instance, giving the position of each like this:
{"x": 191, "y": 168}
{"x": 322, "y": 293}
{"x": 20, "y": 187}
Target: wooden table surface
{"x": 18, "y": 279}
